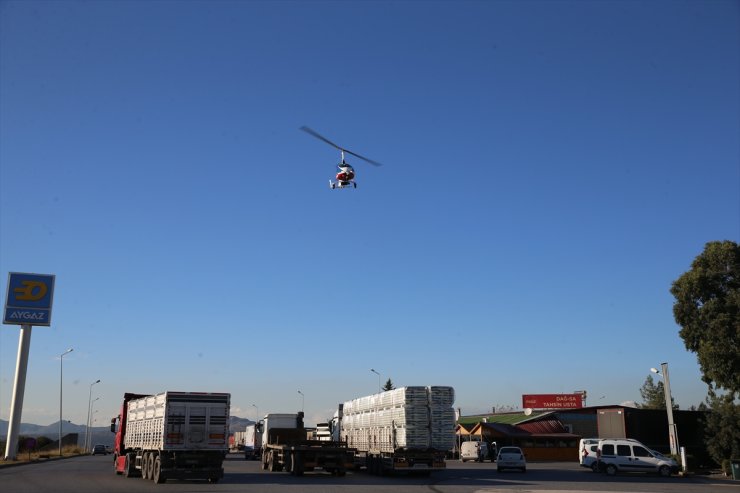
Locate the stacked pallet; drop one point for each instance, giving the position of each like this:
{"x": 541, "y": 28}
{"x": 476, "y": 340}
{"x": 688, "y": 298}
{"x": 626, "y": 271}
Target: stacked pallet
{"x": 404, "y": 418}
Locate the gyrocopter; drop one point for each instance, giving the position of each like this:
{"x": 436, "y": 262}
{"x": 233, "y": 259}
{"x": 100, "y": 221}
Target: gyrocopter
{"x": 346, "y": 174}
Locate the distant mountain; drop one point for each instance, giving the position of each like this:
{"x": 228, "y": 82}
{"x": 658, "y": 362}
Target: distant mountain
{"x": 238, "y": 424}
{"x": 101, "y": 434}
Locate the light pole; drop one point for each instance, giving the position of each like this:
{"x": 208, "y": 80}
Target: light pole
{"x": 303, "y": 400}
{"x": 380, "y": 389}
{"x": 258, "y": 413}
{"x": 672, "y": 430}
{"x": 89, "y": 405}
{"x": 61, "y": 360}
{"x": 92, "y": 420}
{"x": 88, "y": 433}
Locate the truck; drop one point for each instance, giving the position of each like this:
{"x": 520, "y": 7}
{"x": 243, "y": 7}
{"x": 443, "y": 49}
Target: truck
{"x": 288, "y": 446}
{"x": 408, "y": 429}
{"x": 252, "y": 442}
{"x": 172, "y": 435}
{"x": 237, "y": 441}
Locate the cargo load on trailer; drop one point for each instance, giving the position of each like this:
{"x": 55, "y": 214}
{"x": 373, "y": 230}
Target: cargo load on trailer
{"x": 405, "y": 429}
{"x": 172, "y": 435}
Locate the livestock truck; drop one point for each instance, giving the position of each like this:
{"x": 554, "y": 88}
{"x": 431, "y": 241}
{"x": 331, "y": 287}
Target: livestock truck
{"x": 172, "y": 435}
{"x": 409, "y": 429}
{"x": 286, "y": 445}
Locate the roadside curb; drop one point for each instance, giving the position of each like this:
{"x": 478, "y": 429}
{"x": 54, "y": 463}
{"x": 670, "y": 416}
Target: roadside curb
{"x": 17, "y": 463}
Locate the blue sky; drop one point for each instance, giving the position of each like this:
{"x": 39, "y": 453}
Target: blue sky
{"x": 550, "y": 168}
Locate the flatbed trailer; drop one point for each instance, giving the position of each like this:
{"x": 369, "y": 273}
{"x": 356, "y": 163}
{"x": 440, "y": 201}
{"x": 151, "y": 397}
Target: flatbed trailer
{"x": 289, "y": 449}
{"x": 415, "y": 461}
{"x": 409, "y": 429}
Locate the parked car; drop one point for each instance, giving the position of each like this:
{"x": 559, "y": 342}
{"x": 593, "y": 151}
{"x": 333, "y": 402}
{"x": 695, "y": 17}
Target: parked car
{"x": 627, "y": 455}
{"x": 511, "y": 458}
{"x": 587, "y": 449}
{"x": 99, "y": 449}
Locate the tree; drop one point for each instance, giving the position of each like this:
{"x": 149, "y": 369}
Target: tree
{"x": 707, "y": 308}
{"x": 653, "y": 395}
{"x": 388, "y": 385}
{"x": 723, "y": 427}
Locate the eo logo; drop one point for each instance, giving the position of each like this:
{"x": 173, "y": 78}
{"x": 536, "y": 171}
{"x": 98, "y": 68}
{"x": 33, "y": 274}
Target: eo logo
{"x": 29, "y": 299}
{"x": 31, "y": 291}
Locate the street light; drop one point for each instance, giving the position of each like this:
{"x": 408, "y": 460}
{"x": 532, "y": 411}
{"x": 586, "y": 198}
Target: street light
{"x": 61, "y": 360}
{"x": 380, "y": 389}
{"x": 303, "y": 400}
{"x": 258, "y": 413}
{"x": 88, "y": 433}
{"x": 672, "y": 430}
{"x": 89, "y": 405}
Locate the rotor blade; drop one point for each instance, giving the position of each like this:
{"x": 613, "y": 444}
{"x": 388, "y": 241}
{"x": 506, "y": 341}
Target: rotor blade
{"x": 320, "y": 137}
{"x": 374, "y": 163}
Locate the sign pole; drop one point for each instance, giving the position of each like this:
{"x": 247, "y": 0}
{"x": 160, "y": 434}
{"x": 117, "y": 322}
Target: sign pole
{"x": 19, "y": 386}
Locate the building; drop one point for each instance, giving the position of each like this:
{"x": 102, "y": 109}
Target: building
{"x": 554, "y": 435}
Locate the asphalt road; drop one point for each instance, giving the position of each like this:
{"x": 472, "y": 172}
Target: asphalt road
{"x": 94, "y": 474}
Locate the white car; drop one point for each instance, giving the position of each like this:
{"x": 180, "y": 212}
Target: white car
{"x": 511, "y": 458}
{"x": 587, "y": 451}
{"x": 627, "y": 455}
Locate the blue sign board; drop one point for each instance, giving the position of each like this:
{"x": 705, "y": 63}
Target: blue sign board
{"x": 29, "y": 299}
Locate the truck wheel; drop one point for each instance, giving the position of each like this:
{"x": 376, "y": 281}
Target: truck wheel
{"x": 150, "y": 467}
{"x": 264, "y": 462}
{"x": 289, "y": 462}
{"x": 158, "y": 476}
{"x": 115, "y": 464}
{"x": 129, "y": 470}
{"x": 298, "y": 464}
{"x": 611, "y": 470}
{"x": 145, "y": 466}
{"x": 272, "y": 463}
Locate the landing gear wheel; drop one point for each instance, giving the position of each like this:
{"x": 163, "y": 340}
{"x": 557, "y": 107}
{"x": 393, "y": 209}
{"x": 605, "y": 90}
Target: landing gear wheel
{"x": 158, "y": 476}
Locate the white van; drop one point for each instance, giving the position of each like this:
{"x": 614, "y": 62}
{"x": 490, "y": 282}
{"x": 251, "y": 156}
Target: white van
{"x": 474, "y": 450}
{"x": 627, "y": 455}
{"x": 587, "y": 449}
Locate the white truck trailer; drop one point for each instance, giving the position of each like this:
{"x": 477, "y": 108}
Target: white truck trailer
{"x": 252, "y": 442}
{"x": 409, "y": 429}
{"x": 172, "y": 435}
